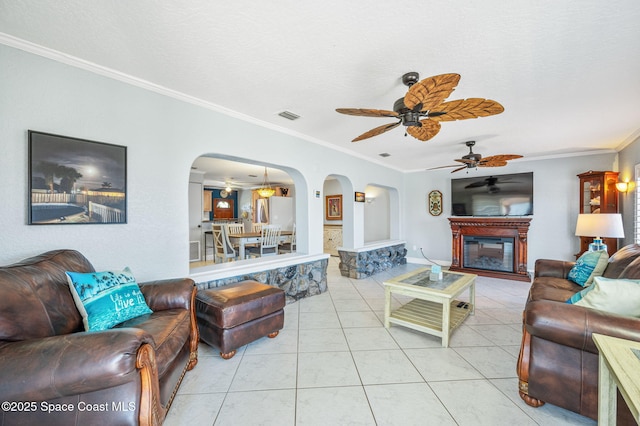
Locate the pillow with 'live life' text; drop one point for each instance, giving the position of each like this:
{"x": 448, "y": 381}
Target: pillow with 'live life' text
{"x": 107, "y": 298}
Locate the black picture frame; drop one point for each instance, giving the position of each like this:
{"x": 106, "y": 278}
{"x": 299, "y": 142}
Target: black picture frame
{"x": 359, "y": 197}
{"x": 76, "y": 181}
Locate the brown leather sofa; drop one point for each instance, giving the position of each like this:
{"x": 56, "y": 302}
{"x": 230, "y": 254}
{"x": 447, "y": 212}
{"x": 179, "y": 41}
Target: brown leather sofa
{"x": 558, "y": 360}
{"x": 53, "y": 372}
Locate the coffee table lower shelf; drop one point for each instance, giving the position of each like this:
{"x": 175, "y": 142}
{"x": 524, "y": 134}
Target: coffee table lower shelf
{"x": 426, "y": 316}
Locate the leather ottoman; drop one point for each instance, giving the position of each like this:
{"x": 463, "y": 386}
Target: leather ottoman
{"x": 234, "y": 315}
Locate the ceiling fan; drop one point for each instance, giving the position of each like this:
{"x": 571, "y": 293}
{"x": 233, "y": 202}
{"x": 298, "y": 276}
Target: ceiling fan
{"x": 423, "y": 108}
{"x": 473, "y": 160}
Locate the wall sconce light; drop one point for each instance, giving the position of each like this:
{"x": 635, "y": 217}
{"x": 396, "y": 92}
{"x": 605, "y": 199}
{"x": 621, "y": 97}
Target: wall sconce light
{"x": 370, "y": 200}
{"x": 622, "y": 187}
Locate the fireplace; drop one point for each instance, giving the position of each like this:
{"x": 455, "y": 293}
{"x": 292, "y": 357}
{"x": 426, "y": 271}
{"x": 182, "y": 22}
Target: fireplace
{"x": 490, "y": 253}
{"x": 494, "y": 247}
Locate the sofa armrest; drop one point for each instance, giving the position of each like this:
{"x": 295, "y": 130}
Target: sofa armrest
{"x": 169, "y": 294}
{"x": 552, "y": 268}
{"x": 572, "y": 325}
{"x": 175, "y": 294}
{"x": 70, "y": 364}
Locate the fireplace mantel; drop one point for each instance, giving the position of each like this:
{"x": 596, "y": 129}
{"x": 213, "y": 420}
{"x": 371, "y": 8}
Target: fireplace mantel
{"x": 494, "y": 227}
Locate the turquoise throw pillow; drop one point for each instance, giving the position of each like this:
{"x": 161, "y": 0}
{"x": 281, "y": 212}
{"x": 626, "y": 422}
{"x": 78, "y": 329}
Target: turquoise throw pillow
{"x": 107, "y": 298}
{"x": 579, "y": 295}
{"x": 591, "y": 264}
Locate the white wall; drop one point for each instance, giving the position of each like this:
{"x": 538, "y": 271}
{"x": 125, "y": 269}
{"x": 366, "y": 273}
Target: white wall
{"x": 376, "y": 214}
{"x": 556, "y": 206}
{"x": 164, "y": 136}
{"x": 628, "y": 158}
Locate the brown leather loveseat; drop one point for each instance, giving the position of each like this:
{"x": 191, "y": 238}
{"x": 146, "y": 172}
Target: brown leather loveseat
{"x": 558, "y": 360}
{"x": 53, "y": 372}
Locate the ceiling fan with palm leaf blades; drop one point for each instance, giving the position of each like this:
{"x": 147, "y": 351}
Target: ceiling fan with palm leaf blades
{"x": 473, "y": 160}
{"x": 423, "y": 108}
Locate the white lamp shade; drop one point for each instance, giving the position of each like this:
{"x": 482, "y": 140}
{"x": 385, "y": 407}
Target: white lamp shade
{"x": 606, "y": 225}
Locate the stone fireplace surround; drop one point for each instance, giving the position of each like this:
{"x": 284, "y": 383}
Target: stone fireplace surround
{"x": 513, "y": 227}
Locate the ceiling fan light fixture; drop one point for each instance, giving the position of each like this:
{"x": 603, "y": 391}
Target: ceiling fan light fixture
{"x": 411, "y": 119}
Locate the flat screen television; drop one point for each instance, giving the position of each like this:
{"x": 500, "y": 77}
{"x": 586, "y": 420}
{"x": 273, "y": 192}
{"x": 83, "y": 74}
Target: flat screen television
{"x": 495, "y": 195}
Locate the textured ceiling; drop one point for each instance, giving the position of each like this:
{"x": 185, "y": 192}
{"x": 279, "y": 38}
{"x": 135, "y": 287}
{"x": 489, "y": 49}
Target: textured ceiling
{"x": 567, "y": 72}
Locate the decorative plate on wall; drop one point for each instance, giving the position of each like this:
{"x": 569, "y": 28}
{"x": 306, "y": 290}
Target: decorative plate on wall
{"x": 435, "y": 203}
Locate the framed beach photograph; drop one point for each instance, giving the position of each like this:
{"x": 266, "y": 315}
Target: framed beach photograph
{"x": 360, "y": 197}
{"x": 76, "y": 181}
{"x": 333, "y": 209}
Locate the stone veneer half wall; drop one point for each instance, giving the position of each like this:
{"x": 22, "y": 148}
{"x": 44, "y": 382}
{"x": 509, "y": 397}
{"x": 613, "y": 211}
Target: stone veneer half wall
{"x": 366, "y": 261}
{"x": 298, "y": 281}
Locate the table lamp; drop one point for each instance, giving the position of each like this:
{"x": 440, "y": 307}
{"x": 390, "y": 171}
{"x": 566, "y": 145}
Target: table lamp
{"x": 599, "y": 225}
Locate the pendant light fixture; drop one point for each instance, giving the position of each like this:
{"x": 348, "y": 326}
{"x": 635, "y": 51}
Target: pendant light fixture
{"x": 266, "y": 190}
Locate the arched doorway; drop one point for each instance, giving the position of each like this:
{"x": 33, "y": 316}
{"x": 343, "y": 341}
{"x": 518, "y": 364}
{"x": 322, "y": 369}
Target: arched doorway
{"x": 223, "y": 189}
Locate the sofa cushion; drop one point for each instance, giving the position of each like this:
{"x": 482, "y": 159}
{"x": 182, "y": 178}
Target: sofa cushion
{"x": 106, "y": 298}
{"x": 620, "y": 260}
{"x": 169, "y": 330}
{"x": 591, "y": 264}
{"x": 552, "y": 288}
{"x": 618, "y": 296}
{"x": 36, "y": 301}
{"x": 632, "y": 271}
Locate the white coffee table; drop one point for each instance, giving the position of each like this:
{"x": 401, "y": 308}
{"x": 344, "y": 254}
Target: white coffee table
{"x": 434, "y": 309}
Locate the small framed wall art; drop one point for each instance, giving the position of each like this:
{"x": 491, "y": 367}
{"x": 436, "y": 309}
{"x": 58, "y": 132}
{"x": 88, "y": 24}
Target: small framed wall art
{"x": 435, "y": 203}
{"x": 360, "y": 197}
{"x": 333, "y": 208}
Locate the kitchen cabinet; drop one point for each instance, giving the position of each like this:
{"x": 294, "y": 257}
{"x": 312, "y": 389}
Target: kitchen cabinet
{"x": 207, "y": 200}
{"x": 332, "y": 239}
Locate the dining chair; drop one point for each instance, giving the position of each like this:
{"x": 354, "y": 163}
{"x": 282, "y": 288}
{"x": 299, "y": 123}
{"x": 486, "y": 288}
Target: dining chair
{"x": 223, "y": 249}
{"x": 269, "y": 239}
{"x": 289, "y": 246}
{"x": 235, "y": 228}
{"x": 256, "y": 227}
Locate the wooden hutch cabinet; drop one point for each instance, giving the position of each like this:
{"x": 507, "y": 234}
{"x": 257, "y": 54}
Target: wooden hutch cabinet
{"x": 598, "y": 194}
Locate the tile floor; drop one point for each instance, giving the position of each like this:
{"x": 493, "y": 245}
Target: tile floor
{"x": 334, "y": 363}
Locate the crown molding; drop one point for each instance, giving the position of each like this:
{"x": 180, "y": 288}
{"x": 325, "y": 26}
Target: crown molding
{"x": 629, "y": 140}
{"x": 92, "y": 67}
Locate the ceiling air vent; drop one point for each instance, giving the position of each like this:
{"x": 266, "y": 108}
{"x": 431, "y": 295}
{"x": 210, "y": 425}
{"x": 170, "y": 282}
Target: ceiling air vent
{"x": 385, "y": 154}
{"x": 289, "y": 115}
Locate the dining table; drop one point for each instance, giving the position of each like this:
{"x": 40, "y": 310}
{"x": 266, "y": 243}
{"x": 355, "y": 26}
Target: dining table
{"x": 252, "y": 238}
